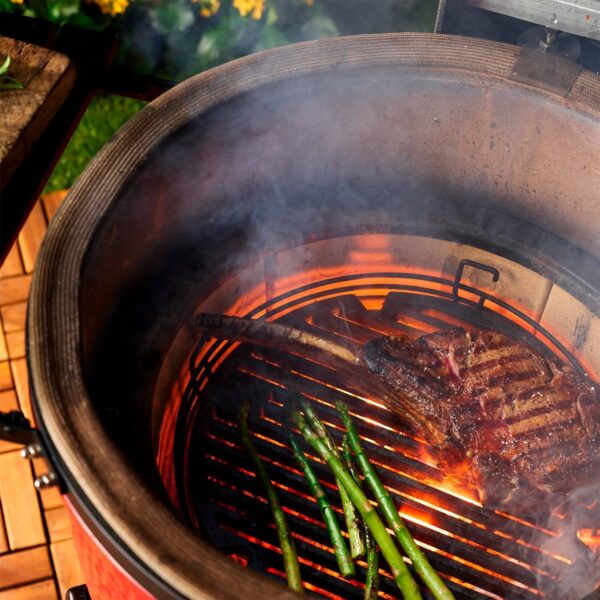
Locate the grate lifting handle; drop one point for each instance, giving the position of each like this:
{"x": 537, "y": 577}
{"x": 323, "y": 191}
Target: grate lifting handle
{"x": 456, "y": 286}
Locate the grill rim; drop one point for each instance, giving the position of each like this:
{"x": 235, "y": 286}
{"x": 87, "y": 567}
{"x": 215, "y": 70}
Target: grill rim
{"x": 100, "y": 478}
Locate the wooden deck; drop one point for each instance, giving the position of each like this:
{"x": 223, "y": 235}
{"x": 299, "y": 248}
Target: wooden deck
{"x": 37, "y": 555}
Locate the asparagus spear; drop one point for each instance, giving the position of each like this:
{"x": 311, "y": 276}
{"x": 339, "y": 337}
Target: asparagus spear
{"x": 402, "y": 576}
{"x": 372, "y": 579}
{"x": 431, "y": 579}
{"x": 357, "y": 546}
{"x": 342, "y": 553}
{"x": 288, "y": 549}
{"x": 347, "y": 454}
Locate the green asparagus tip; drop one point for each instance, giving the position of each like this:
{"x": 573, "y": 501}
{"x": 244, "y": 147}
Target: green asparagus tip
{"x": 295, "y": 444}
{"x": 299, "y": 419}
{"x": 342, "y": 408}
{"x": 303, "y": 402}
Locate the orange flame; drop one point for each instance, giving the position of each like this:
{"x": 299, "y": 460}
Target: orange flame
{"x": 457, "y": 482}
{"x": 591, "y": 538}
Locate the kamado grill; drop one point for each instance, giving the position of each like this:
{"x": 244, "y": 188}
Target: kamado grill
{"x": 354, "y": 187}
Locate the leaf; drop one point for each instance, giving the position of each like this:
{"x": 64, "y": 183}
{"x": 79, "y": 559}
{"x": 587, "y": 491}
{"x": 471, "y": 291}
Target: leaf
{"x": 210, "y": 46}
{"x": 270, "y": 37}
{"x": 41, "y": 9}
{"x": 65, "y": 9}
{"x": 8, "y": 6}
{"x": 5, "y": 65}
{"x": 319, "y": 27}
{"x": 7, "y": 82}
{"x": 84, "y": 21}
{"x": 272, "y": 16}
{"x": 167, "y": 18}
{"x": 10, "y": 83}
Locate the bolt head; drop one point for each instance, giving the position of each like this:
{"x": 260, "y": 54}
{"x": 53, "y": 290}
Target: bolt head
{"x": 31, "y": 451}
{"x": 45, "y": 481}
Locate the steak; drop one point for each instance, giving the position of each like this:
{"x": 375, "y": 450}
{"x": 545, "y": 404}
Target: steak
{"x": 528, "y": 426}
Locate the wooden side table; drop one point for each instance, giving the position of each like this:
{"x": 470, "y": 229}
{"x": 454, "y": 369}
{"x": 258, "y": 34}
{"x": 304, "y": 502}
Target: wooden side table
{"x": 47, "y": 79}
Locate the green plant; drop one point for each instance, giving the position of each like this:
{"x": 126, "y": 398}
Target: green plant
{"x": 6, "y": 81}
{"x": 73, "y": 12}
{"x": 104, "y": 116}
{"x": 177, "y": 39}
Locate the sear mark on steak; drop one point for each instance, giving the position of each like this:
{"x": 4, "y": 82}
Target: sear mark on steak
{"x": 529, "y": 425}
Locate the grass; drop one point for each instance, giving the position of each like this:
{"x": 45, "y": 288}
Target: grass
{"x": 104, "y": 116}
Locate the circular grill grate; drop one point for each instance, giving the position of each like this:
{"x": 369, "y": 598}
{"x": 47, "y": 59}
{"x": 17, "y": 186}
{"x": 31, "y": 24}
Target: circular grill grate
{"x": 481, "y": 552}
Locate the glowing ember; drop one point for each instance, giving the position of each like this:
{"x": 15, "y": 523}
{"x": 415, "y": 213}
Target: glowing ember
{"x": 239, "y": 559}
{"x": 457, "y": 482}
{"x": 591, "y": 538}
{"x": 309, "y": 586}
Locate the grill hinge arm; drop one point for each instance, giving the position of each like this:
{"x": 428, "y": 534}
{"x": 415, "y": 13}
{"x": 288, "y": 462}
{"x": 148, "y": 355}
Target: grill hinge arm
{"x": 15, "y": 428}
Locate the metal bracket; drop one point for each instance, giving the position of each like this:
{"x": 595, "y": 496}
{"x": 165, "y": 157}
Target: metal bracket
{"x": 15, "y": 428}
{"x": 580, "y": 17}
{"x": 567, "y": 28}
{"x": 546, "y": 71}
{"x": 459, "y": 274}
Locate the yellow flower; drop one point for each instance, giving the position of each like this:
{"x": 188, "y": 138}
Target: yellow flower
{"x": 254, "y": 8}
{"x": 111, "y": 7}
{"x": 259, "y": 7}
{"x": 17, "y": 1}
{"x": 208, "y": 7}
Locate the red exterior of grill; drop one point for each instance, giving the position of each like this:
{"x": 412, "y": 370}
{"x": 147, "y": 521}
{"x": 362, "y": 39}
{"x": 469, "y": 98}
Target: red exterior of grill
{"x": 105, "y": 578}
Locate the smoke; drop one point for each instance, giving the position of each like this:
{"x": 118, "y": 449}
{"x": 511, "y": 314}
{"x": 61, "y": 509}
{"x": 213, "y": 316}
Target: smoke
{"x": 366, "y": 151}
{"x": 579, "y": 574}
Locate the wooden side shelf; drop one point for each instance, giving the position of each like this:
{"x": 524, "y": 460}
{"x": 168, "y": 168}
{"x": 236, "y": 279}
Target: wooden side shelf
{"x": 47, "y": 77}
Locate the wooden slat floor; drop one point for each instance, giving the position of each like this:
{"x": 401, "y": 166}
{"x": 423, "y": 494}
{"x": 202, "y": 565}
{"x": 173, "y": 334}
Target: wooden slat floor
{"x": 37, "y": 555}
